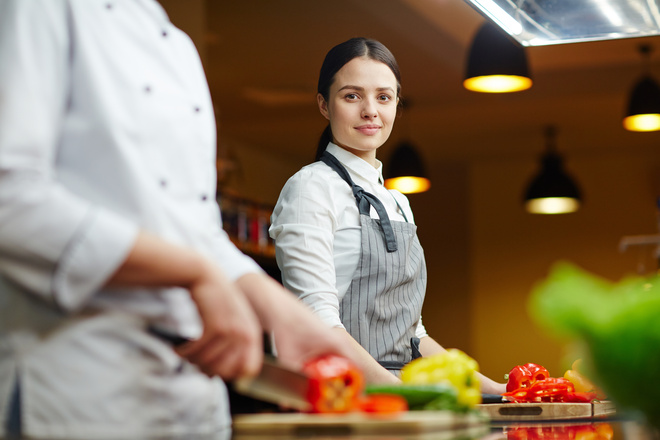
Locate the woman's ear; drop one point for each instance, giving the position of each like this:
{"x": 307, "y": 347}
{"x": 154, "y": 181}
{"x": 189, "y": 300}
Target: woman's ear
{"x": 323, "y": 106}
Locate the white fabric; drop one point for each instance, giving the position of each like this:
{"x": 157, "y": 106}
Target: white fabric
{"x": 106, "y": 127}
{"x": 316, "y": 228}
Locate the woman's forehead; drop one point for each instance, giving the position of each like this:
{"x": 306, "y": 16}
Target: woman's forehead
{"x": 365, "y": 72}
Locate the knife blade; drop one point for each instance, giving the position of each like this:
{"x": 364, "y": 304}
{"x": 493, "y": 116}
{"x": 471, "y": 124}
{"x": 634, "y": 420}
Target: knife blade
{"x": 277, "y": 384}
{"x": 274, "y": 383}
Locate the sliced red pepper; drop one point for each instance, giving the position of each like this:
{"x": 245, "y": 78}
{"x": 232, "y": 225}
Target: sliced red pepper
{"x": 581, "y": 397}
{"x": 523, "y": 376}
{"x": 537, "y": 372}
{"x": 335, "y": 384}
{"x": 546, "y": 390}
{"x": 552, "y": 389}
{"x": 383, "y": 404}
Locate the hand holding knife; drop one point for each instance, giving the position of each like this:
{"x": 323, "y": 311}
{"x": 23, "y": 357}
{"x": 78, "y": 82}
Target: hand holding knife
{"x": 332, "y": 384}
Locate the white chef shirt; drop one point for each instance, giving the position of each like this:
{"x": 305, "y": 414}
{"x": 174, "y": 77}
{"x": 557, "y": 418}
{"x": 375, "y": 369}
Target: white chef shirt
{"x": 317, "y": 233}
{"x": 106, "y": 127}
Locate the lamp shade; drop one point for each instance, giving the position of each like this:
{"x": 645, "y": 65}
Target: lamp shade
{"x": 496, "y": 63}
{"x": 643, "y": 113}
{"x": 405, "y": 171}
{"x": 552, "y": 191}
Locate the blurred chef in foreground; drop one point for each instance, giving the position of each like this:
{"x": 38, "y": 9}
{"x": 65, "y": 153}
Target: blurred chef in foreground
{"x": 109, "y": 227}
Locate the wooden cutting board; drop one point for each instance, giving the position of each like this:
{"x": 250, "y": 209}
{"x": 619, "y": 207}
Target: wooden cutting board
{"x": 547, "y": 411}
{"x": 412, "y": 422}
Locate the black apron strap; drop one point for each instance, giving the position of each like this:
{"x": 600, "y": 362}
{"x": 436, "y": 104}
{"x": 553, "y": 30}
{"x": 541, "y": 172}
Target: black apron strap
{"x": 392, "y": 365}
{"x": 364, "y": 200}
{"x": 414, "y": 343}
{"x": 13, "y": 420}
{"x": 396, "y": 365}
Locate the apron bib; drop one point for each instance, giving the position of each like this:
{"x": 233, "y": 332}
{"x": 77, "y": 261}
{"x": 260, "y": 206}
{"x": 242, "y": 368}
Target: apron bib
{"x": 383, "y": 303}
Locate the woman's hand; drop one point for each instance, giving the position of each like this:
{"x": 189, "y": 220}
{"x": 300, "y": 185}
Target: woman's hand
{"x": 299, "y": 334}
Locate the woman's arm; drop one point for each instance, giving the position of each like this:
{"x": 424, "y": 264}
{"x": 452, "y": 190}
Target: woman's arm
{"x": 372, "y": 370}
{"x": 299, "y": 334}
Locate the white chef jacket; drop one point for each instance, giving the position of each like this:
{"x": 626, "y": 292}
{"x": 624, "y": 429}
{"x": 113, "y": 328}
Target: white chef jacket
{"x": 317, "y": 233}
{"x": 106, "y": 128}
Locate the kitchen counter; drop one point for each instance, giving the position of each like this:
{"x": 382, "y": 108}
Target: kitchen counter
{"x": 611, "y": 429}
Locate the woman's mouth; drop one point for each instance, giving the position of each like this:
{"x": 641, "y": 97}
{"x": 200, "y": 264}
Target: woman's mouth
{"x": 368, "y": 130}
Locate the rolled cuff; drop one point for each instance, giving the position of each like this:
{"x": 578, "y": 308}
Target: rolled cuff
{"x": 101, "y": 244}
{"x": 420, "y": 331}
{"x": 232, "y": 261}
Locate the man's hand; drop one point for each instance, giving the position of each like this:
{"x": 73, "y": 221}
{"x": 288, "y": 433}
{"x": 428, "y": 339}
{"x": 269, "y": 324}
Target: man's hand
{"x": 231, "y": 345}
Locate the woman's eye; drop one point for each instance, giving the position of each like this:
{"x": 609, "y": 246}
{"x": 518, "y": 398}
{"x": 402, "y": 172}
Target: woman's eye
{"x": 385, "y": 98}
{"x": 351, "y": 96}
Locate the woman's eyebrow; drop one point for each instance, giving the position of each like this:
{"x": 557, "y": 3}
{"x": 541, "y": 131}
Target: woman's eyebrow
{"x": 358, "y": 88}
{"x": 350, "y": 87}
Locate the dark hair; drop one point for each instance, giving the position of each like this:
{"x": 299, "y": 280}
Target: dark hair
{"x": 337, "y": 57}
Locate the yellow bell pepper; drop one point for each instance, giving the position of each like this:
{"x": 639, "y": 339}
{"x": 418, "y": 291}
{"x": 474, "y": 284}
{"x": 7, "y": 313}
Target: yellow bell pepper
{"x": 454, "y": 368}
{"x": 581, "y": 382}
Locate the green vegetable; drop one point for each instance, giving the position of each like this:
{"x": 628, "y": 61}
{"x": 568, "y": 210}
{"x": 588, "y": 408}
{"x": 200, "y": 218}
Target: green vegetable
{"x": 440, "y": 396}
{"x": 619, "y": 323}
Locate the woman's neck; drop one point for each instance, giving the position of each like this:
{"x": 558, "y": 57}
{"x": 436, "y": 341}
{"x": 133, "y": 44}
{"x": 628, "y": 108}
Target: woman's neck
{"x": 367, "y": 156}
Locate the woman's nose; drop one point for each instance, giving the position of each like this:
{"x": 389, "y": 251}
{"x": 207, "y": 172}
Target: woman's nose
{"x": 369, "y": 110}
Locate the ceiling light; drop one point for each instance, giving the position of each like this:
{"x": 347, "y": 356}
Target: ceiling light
{"x": 552, "y": 191}
{"x": 540, "y": 23}
{"x": 499, "y": 15}
{"x": 496, "y": 63}
{"x": 405, "y": 171}
{"x": 644, "y": 104}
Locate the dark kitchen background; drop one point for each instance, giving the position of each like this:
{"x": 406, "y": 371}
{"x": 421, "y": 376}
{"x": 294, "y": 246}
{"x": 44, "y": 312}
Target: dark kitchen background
{"x": 484, "y": 252}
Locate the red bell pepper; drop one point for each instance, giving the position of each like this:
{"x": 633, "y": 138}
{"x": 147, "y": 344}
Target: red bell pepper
{"x": 532, "y": 383}
{"x": 384, "y": 404}
{"x": 524, "y": 376}
{"x": 335, "y": 384}
{"x": 547, "y": 390}
{"x": 582, "y": 397}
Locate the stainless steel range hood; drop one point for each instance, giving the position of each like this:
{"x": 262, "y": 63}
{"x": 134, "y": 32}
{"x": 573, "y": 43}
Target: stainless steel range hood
{"x": 545, "y": 22}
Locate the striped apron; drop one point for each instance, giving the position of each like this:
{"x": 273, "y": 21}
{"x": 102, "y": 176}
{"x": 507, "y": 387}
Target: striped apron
{"x": 383, "y": 303}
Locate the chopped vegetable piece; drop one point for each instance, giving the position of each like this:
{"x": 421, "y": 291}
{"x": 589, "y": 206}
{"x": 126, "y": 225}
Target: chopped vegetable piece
{"x": 335, "y": 384}
{"x": 383, "y": 404}
{"x": 523, "y": 376}
{"x": 581, "y": 382}
{"x": 419, "y": 396}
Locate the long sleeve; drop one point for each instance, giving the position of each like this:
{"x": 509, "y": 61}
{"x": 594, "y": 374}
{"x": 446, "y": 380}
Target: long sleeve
{"x": 52, "y": 242}
{"x": 303, "y": 227}
{"x": 233, "y": 262}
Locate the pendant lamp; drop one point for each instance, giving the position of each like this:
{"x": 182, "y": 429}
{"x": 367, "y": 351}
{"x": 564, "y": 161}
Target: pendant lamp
{"x": 552, "y": 191}
{"x": 496, "y": 63}
{"x": 405, "y": 171}
{"x": 643, "y": 113}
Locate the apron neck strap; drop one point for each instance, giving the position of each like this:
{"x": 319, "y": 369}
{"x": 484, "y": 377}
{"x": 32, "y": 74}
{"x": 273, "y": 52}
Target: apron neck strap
{"x": 364, "y": 200}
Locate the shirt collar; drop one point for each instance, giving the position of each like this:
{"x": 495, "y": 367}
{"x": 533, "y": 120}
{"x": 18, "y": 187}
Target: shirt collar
{"x": 357, "y": 165}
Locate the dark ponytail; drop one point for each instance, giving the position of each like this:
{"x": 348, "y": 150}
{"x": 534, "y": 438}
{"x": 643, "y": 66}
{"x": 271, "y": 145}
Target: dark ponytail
{"x": 326, "y": 137}
{"x": 336, "y": 58}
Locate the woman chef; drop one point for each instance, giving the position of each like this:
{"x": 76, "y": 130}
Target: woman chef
{"x": 346, "y": 245}
{"x": 109, "y": 227}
